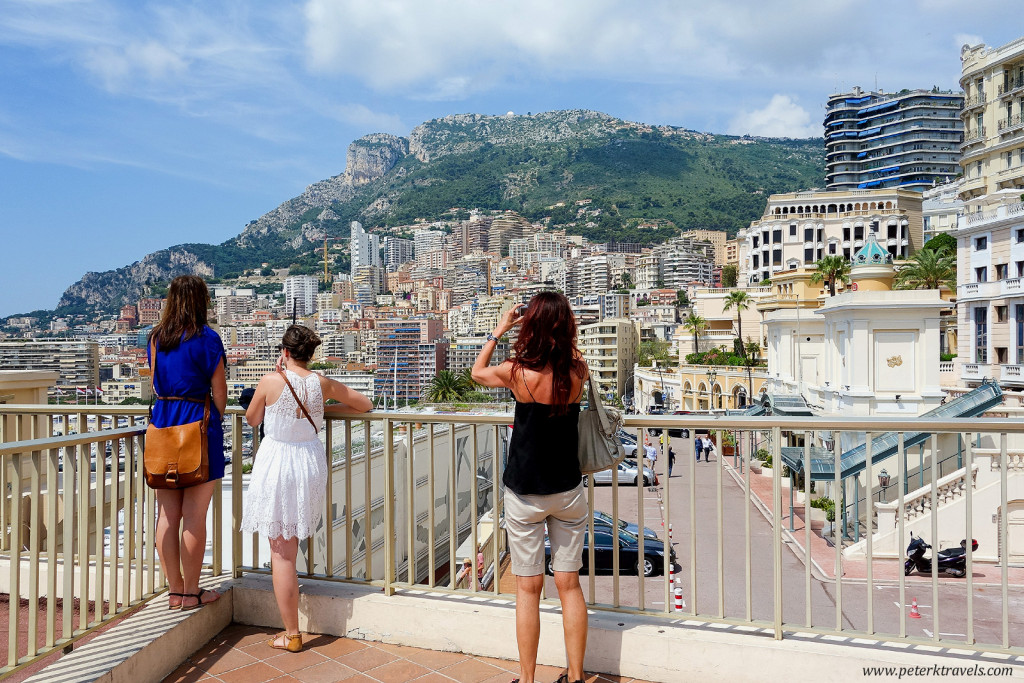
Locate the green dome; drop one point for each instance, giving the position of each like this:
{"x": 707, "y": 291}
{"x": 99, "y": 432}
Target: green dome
{"x": 871, "y": 254}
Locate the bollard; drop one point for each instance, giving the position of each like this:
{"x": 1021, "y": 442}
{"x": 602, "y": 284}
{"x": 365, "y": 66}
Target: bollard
{"x": 670, "y": 532}
{"x": 679, "y": 599}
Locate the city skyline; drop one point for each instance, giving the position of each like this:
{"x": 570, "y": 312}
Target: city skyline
{"x": 127, "y": 129}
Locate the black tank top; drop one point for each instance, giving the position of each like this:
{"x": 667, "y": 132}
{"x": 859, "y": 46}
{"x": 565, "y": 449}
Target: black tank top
{"x": 542, "y": 455}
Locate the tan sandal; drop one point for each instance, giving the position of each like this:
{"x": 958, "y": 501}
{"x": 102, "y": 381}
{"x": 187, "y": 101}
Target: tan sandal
{"x": 292, "y": 642}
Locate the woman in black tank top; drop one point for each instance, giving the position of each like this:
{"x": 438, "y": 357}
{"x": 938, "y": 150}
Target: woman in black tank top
{"x": 543, "y": 484}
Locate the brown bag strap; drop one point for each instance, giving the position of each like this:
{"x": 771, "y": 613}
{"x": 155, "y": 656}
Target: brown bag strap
{"x": 298, "y": 400}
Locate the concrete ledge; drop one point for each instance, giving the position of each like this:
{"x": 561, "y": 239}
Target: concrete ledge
{"x": 146, "y": 646}
{"x": 622, "y": 644}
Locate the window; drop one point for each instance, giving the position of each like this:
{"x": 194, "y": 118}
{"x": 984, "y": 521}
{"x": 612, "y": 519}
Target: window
{"x": 756, "y": 261}
{"x": 831, "y": 247}
{"x": 846, "y": 234}
{"x": 981, "y": 274}
{"x": 1019, "y": 320}
{"x": 1020, "y": 235}
{"x": 980, "y": 335}
{"x": 858, "y": 232}
{"x": 1020, "y": 268}
{"x": 755, "y": 241}
{"x": 1001, "y": 312}
{"x": 980, "y": 243}
{"x": 808, "y": 234}
{"x": 1001, "y": 355}
{"x": 776, "y": 257}
{"x": 808, "y": 256}
{"x": 1001, "y": 269}
{"x": 792, "y": 229}
{"x": 777, "y": 236}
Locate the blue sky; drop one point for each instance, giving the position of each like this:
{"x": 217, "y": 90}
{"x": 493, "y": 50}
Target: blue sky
{"x": 130, "y": 126}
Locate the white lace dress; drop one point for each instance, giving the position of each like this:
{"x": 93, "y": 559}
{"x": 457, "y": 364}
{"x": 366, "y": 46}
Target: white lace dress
{"x": 289, "y": 476}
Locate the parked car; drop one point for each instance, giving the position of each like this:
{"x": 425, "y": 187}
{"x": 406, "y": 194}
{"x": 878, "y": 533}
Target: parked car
{"x": 628, "y": 474}
{"x": 628, "y": 443}
{"x": 674, "y": 432}
{"x": 652, "y": 563}
{"x": 605, "y": 520}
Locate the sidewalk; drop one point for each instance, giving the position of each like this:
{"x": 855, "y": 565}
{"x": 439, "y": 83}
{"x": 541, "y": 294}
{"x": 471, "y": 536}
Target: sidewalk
{"x": 823, "y": 554}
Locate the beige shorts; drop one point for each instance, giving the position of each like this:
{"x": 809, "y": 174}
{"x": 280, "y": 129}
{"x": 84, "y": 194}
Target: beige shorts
{"x": 566, "y": 516}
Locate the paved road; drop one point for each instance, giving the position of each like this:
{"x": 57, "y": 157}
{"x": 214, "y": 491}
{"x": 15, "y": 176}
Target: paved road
{"x": 731, "y": 577}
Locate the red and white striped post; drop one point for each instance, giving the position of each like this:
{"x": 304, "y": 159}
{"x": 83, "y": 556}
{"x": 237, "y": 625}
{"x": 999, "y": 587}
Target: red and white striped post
{"x": 679, "y": 599}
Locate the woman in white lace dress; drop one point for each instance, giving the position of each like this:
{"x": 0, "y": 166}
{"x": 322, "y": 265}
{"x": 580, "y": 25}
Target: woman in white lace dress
{"x": 285, "y": 498}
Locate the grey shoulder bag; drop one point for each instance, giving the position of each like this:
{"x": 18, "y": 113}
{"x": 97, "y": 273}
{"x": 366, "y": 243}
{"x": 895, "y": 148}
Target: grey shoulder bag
{"x": 600, "y": 447}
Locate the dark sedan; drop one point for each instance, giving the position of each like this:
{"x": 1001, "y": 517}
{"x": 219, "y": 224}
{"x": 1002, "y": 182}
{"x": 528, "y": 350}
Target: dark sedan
{"x": 651, "y": 564}
{"x": 604, "y": 519}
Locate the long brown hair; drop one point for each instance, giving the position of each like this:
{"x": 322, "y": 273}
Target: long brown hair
{"x": 547, "y": 338}
{"x": 184, "y": 314}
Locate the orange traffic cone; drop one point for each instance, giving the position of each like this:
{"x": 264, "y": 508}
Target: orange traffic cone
{"x": 914, "y": 612}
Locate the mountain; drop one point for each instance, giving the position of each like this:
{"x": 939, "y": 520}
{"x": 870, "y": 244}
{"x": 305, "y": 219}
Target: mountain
{"x": 633, "y": 172}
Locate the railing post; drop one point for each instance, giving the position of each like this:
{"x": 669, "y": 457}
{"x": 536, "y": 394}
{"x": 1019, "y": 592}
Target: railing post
{"x": 389, "y": 507}
{"x": 777, "y": 529}
{"x": 236, "y": 496}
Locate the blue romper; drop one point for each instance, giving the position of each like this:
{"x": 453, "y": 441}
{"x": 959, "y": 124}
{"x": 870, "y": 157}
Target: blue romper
{"x": 187, "y": 372}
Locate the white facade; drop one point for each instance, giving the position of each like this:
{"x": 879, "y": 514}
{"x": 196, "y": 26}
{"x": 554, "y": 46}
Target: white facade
{"x": 300, "y": 295}
{"x": 365, "y": 247}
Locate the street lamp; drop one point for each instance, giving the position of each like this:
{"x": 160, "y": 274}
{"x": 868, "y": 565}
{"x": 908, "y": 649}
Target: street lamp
{"x": 712, "y": 376}
{"x": 883, "y": 481}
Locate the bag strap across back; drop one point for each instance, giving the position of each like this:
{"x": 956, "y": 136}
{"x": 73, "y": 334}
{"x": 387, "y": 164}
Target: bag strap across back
{"x": 298, "y": 400}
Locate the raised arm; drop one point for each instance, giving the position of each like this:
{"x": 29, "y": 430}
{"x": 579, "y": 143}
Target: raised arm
{"x": 500, "y": 375}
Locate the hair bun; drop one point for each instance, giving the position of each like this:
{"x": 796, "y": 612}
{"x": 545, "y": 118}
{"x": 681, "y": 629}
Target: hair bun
{"x": 301, "y": 342}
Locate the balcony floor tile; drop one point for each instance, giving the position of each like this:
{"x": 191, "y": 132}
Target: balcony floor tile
{"x": 240, "y": 654}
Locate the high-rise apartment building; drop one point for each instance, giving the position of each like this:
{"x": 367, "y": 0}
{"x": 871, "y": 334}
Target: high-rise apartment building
{"x": 610, "y": 348}
{"x": 396, "y": 252}
{"x": 990, "y": 234}
{"x": 76, "y": 361}
{"x": 300, "y": 294}
{"x": 910, "y": 139}
{"x": 365, "y": 247}
{"x": 462, "y": 353}
{"x": 799, "y": 228}
{"x": 409, "y": 354}
{"x": 717, "y": 238}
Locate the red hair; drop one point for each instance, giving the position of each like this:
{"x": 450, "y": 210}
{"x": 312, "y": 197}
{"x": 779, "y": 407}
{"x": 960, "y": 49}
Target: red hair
{"x": 547, "y": 338}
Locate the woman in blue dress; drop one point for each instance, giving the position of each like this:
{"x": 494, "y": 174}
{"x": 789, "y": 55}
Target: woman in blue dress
{"x": 189, "y": 365}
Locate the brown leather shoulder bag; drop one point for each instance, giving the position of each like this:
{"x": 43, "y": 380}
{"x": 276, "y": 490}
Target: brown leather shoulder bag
{"x": 177, "y": 456}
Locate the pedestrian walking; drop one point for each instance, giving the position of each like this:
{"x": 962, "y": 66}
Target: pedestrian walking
{"x": 650, "y": 454}
{"x": 709, "y": 445}
{"x": 698, "y": 447}
{"x": 671, "y": 460}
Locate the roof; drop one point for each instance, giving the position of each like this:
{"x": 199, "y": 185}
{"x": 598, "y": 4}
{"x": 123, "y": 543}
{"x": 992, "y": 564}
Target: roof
{"x": 871, "y": 253}
{"x": 788, "y": 405}
{"x": 883, "y": 446}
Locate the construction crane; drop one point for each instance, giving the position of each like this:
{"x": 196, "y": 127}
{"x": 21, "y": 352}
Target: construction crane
{"x": 327, "y": 272}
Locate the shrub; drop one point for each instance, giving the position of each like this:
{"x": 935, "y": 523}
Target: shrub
{"x": 826, "y": 504}
{"x": 247, "y": 468}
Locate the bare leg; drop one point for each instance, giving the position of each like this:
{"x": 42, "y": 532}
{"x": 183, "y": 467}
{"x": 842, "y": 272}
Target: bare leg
{"x": 574, "y": 621}
{"x": 286, "y": 580}
{"x": 167, "y": 541}
{"x": 528, "y": 590}
{"x": 193, "y": 538}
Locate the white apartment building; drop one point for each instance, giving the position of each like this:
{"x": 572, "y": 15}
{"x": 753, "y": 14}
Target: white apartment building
{"x": 396, "y": 252}
{"x": 462, "y": 353}
{"x": 799, "y": 228}
{"x": 77, "y": 361}
{"x": 365, "y": 247}
{"x": 232, "y": 307}
{"x": 610, "y": 348}
{"x": 647, "y": 274}
{"x": 717, "y": 238}
{"x": 990, "y": 236}
{"x": 300, "y": 294}
{"x": 613, "y": 305}
{"x": 488, "y": 312}
{"x": 597, "y": 274}
{"x": 940, "y": 209}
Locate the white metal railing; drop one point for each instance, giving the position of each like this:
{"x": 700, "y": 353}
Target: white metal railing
{"x": 410, "y": 495}
{"x": 946, "y": 366}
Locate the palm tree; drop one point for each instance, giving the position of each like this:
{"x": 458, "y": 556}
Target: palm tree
{"x": 696, "y": 324}
{"x": 627, "y": 280}
{"x": 928, "y": 269}
{"x": 446, "y": 386}
{"x": 831, "y": 269}
{"x": 741, "y": 301}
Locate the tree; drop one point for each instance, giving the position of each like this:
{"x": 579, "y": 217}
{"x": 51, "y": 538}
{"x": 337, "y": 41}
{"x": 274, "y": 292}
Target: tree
{"x": 730, "y": 274}
{"x": 445, "y": 387}
{"x": 928, "y": 269}
{"x": 942, "y": 242}
{"x": 652, "y": 350}
{"x": 741, "y": 301}
{"x": 627, "y": 279}
{"x": 681, "y": 298}
{"x": 695, "y": 324}
{"x": 831, "y": 269}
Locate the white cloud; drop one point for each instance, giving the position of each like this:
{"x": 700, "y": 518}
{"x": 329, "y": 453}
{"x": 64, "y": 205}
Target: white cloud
{"x": 961, "y": 39}
{"x": 361, "y": 116}
{"x": 781, "y": 118}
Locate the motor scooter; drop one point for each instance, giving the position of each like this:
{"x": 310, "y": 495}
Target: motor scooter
{"x": 952, "y": 561}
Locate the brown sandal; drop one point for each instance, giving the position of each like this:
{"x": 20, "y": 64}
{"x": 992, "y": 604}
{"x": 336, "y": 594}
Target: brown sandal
{"x": 292, "y": 642}
{"x": 175, "y": 595}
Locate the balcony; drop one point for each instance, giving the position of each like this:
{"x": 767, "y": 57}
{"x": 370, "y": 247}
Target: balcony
{"x": 972, "y": 137}
{"x": 1015, "y": 122}
{"x": 378, "y": 574}
{"x": 978, "y": 290}
{"x": 1011, "y": 374}
{"x": 1010, "y": 87}
{"x": 1013, "y": 286}
{"x": 975, "y": 371}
